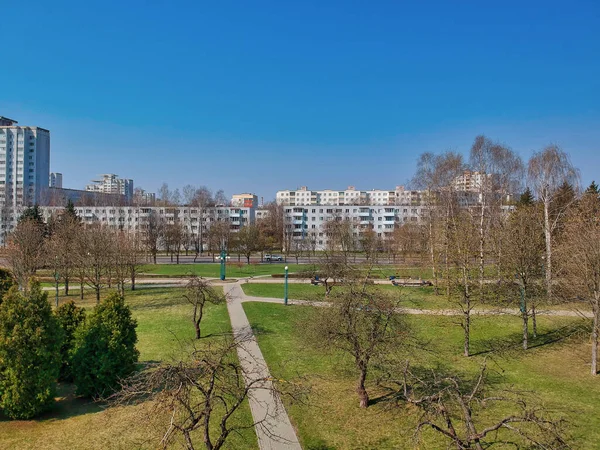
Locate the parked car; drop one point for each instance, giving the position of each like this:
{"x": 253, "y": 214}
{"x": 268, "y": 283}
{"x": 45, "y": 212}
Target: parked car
{"x": 270, "y": 258}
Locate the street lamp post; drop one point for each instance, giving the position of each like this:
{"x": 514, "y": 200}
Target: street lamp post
{"x": 56, "y": 278}
{"x": 223, "y": 256}
{"x": 285, "y": 289}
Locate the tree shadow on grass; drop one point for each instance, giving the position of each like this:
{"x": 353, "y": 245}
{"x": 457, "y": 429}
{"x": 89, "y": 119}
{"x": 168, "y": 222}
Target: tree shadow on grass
{"x": 67, "y": 405}
{"x": 514, "y": 341}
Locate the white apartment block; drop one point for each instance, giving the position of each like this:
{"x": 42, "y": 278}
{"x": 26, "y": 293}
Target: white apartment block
{"x": 56, "y": 180}
{"x": 111, "y": 184}
{"x": 24, "y": 163}
{"x": 471, "y": 181}
{"x": 350, "y": 196}
{"x": 305, "y": 225}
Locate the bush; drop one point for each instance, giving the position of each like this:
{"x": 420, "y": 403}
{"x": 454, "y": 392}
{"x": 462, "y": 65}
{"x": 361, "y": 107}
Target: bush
{"x": 104, "y": 349}
{"x": 30, "y": 340}
{"x": 70, "y": 317}
{"x": 6, "y": 282}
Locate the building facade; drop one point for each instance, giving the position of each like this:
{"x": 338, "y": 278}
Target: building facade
{"x": 24, "y": 163}
{"x": 56, "y": 180}
{"x": 112, "y": 184}
{"x": 349, "y": 196}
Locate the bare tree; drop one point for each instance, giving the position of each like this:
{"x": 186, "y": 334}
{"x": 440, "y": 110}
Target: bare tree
{"x": 96, "y": 250}
{"x": 198, "y": 293}
{"x": 362, "y": 322}
{"x": 469, "y": 416}
{"x": 462, "y": 238}
{"x": 248, "y": 241}
{"x": 522, "y": 259}
{"x": 25, "y": 251}
{"x": 272, "y": 226}
{"x": 547, "y": 171}
{"x": 61, "y": 247}
{"x": 153, "y": 230}
{"x": 202, "y": 393}
{"x": 579, "y": 263}
{"x": 435, "y": 175}
{"x": 500, "y": 172}
{"x": 220, "y": 198}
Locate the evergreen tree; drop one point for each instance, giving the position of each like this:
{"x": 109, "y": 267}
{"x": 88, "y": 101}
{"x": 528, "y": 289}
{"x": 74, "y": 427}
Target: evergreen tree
{"x": 592, "y": 189}
{"x": 6, "y": 282}
{"x": 104, "y": 349}
{"x": 70, "y": 317}
{"x": 526, "y": 198}
{"x": 70, "y": 211}
{"x": 32, "y": 213}
{"x": 30, "y": 340}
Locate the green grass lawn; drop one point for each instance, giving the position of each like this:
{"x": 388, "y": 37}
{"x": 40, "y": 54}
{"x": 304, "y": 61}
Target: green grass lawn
{"x": 164, "y": 330}
{"x": 555, "y": 373}
{"x": 233, "y": 269}
{"x": 411, "y": 297}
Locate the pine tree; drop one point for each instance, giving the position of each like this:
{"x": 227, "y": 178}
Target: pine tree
{"x": 592, "y": 189}
{"x": 526, "y": 198}
{"x": 104, "y": 349}
{"x": 30, "y": 340}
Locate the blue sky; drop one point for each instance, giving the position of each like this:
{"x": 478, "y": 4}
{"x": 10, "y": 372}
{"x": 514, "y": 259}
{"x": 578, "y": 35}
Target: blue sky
{"x": 266, "y": 95}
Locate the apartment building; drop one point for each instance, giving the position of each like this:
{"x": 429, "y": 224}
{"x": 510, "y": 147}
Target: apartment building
{"x": 110, "y": 183}
{"x": 349, "y": 196}
{"x": 56, "y": 180}
{"x": 245, "y": 200}
{"x": 24, "y": 163}
{"x": 471, "y": 181}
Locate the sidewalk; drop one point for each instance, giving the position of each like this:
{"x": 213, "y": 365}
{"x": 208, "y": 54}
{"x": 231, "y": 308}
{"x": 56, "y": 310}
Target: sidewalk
{"x": 274, "y": 429}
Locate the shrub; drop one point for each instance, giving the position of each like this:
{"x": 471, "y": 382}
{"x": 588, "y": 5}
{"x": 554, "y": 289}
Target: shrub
{"x": 6, "y": 282}
{"x": 104, "y": 349}
{"x": 30, "y": 340}
{"x": 70, "y": 317}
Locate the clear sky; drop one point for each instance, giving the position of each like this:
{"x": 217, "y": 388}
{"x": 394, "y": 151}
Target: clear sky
{"x": 265, "y": 95}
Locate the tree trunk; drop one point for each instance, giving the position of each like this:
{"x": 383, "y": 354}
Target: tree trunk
{"x": 363, "y": 396}
{"x": 596, "y": 324}
{"x": 525, "y": 317}
{"x": 189, "y": 445}
{"x": 133, "y": 281}
{"x": 548, "y": 236}
{"x": 81, "y": 288}
{"x": 97, "y": 295}
{"x": 67, "y": 286}
{"x": 534, "y": 319}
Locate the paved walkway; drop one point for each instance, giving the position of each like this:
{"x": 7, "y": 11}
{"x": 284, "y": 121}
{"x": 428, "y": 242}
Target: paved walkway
{"x": 274, "y": 429}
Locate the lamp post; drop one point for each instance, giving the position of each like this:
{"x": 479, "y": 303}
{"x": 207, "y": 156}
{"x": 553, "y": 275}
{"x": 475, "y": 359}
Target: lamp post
{"x": 223, "y": 256}
{"x": 56, "y": 278}
{"x": 285, "y": 289}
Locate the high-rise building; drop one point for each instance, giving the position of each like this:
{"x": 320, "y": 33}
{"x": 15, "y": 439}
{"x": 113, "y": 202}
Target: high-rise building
{"x": 56, "y": 180}
{"x": 24, "y": 163}
{"x": 111, "y": 184}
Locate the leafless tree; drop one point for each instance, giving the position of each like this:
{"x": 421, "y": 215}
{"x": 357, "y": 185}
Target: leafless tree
{"x": 201, "y": 393}
{"x": 220, "y": 198}
{"x": 361, "y": 321}
{"x": 435, "y": 175}
{"x": 578, "y": 262}
{"x": 471, "y": 416}
{"x": 62, "y": 245}
{"x": 25, "y": 252}
{"x": 522, "y": 257}
{"x": 462, "y": 238}
{"x": 500, "y": 173}
{"x": 547, "y": 171}
{"x": 153, "y": 230}
{"x": 198, "y": 293}
{"x": 173, "y": 236}
{"x": 272, "y": 226}
{"x": 96, "y": 253}
{"x": 248, "y": 240}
